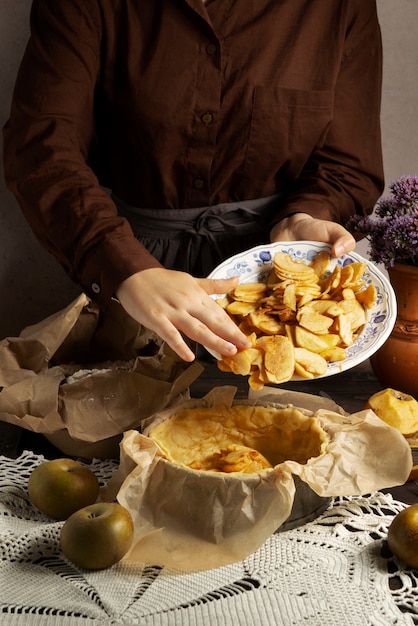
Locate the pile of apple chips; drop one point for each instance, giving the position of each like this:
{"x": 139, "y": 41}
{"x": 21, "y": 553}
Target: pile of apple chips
{"x": 301, "y": 318}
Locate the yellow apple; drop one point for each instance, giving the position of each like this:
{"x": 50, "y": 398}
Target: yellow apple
{"x": 60, "y": 487}
{"x": 403, "y": 535}
{"x": 397, "y": 409}
{"x": 97, "y": 536}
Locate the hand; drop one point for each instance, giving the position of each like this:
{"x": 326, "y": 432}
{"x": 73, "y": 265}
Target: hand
{"x": 170, "y": 303}
{"x": 302, "y": 226}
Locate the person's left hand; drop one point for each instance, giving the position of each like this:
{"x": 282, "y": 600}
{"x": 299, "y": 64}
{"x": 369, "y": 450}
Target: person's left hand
{"x": 301, "y": 226}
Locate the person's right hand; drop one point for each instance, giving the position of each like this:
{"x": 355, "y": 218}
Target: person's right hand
{"x": 300, "y": 226}
{"x": 170, "y": 303}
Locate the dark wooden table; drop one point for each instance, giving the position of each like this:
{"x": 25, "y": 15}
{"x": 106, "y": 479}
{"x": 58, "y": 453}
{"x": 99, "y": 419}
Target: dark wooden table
{"x": 350, "y": 390}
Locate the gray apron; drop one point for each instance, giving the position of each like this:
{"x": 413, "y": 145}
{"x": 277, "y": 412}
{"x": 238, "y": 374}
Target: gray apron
{"x": 197, "y": 240}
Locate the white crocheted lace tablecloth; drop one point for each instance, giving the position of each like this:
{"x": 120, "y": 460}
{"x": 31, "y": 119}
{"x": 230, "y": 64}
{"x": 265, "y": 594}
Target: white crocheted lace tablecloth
{"x": 335, "y": 571}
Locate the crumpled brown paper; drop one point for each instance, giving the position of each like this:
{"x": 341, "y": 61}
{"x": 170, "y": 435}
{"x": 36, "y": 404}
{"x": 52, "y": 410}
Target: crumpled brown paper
{"x": 82, "y": 377}
{"x": 192, "y": 520}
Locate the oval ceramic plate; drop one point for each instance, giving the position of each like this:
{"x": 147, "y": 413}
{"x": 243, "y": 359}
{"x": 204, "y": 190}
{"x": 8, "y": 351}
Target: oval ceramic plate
{"x": 255, "y": 264}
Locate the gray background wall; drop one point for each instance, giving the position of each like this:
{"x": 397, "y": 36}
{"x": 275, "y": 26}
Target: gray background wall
{"x": 32, "y": 285}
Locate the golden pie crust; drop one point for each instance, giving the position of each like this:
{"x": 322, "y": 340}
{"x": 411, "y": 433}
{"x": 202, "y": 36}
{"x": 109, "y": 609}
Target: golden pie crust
{"x": 241, "y": 439}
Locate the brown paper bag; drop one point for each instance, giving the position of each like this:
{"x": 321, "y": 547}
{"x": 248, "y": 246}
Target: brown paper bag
{"x": 82, "y": 377}
{"x": 192, "y": 520}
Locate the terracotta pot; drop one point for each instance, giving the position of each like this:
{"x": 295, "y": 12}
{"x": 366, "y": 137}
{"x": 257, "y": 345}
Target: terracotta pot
{"x": 395, "y": 364}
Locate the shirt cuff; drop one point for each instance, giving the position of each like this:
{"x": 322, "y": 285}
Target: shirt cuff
{"x": 110, "y": 264}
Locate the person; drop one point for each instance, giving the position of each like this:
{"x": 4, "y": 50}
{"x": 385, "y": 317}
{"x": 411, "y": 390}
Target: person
{"x": 148, "y": 141}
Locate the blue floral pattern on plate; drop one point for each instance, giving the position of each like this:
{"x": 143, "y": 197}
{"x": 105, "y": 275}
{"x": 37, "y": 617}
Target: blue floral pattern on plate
{"x": 255, "y": 265}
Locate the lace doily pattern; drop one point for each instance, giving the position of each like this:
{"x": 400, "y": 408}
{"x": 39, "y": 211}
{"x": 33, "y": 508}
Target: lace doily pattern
{"x": 335, "y": 570}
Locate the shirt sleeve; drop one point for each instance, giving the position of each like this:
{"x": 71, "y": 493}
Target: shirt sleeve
{"x": 345, "y": 175}
{"x": 46, "y": 149}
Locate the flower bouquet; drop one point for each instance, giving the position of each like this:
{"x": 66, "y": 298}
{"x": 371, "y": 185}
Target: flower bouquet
{"x": 393, "y": 230}
{"x": 392, "y": 233}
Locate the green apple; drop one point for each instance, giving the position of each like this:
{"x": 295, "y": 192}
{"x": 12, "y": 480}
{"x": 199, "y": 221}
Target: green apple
{"x": 97, "y": 536}
{"x": 403, "y": 535}
{"x": 60, "y": 487}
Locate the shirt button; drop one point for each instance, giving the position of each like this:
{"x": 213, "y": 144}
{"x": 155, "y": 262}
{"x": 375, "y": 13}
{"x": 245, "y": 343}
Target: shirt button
{"x": 95, "y": 287}
{"x": 207, "y": 118}
{"x": 211, "y": 48}
{"x": 198, "y": 183}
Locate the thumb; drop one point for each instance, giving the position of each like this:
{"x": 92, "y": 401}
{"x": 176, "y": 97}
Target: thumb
{"x": 343, "y": 245}
{"x": 218, "y": 285}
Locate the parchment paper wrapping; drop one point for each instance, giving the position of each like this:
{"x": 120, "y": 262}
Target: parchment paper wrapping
{"x": 82, "y": 378}
{"x": 192, "y": 520}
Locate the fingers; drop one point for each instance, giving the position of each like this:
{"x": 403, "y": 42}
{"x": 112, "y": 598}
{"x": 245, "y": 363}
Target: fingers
{"x": 177, "y": 343}
{"x": 218, "y": 285}
{"x": 215, "y": 329}
{"x": 180, "y": 305}
{"x": 202, "y": 334}
{"x": 217, "y": 320}
{"x": 150, "y": 311}
{"x": 205, "y": 326}
{"x": 301, "y": 226}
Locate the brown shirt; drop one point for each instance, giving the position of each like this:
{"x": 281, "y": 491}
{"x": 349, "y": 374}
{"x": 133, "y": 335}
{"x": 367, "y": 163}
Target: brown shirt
{"x": 174, "y": 104}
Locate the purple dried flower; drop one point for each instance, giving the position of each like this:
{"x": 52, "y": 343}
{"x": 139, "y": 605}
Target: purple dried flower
{"x": 393, "y": 231}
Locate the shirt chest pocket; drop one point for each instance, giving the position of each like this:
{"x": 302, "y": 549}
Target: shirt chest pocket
{"x": 286, "y": 126}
